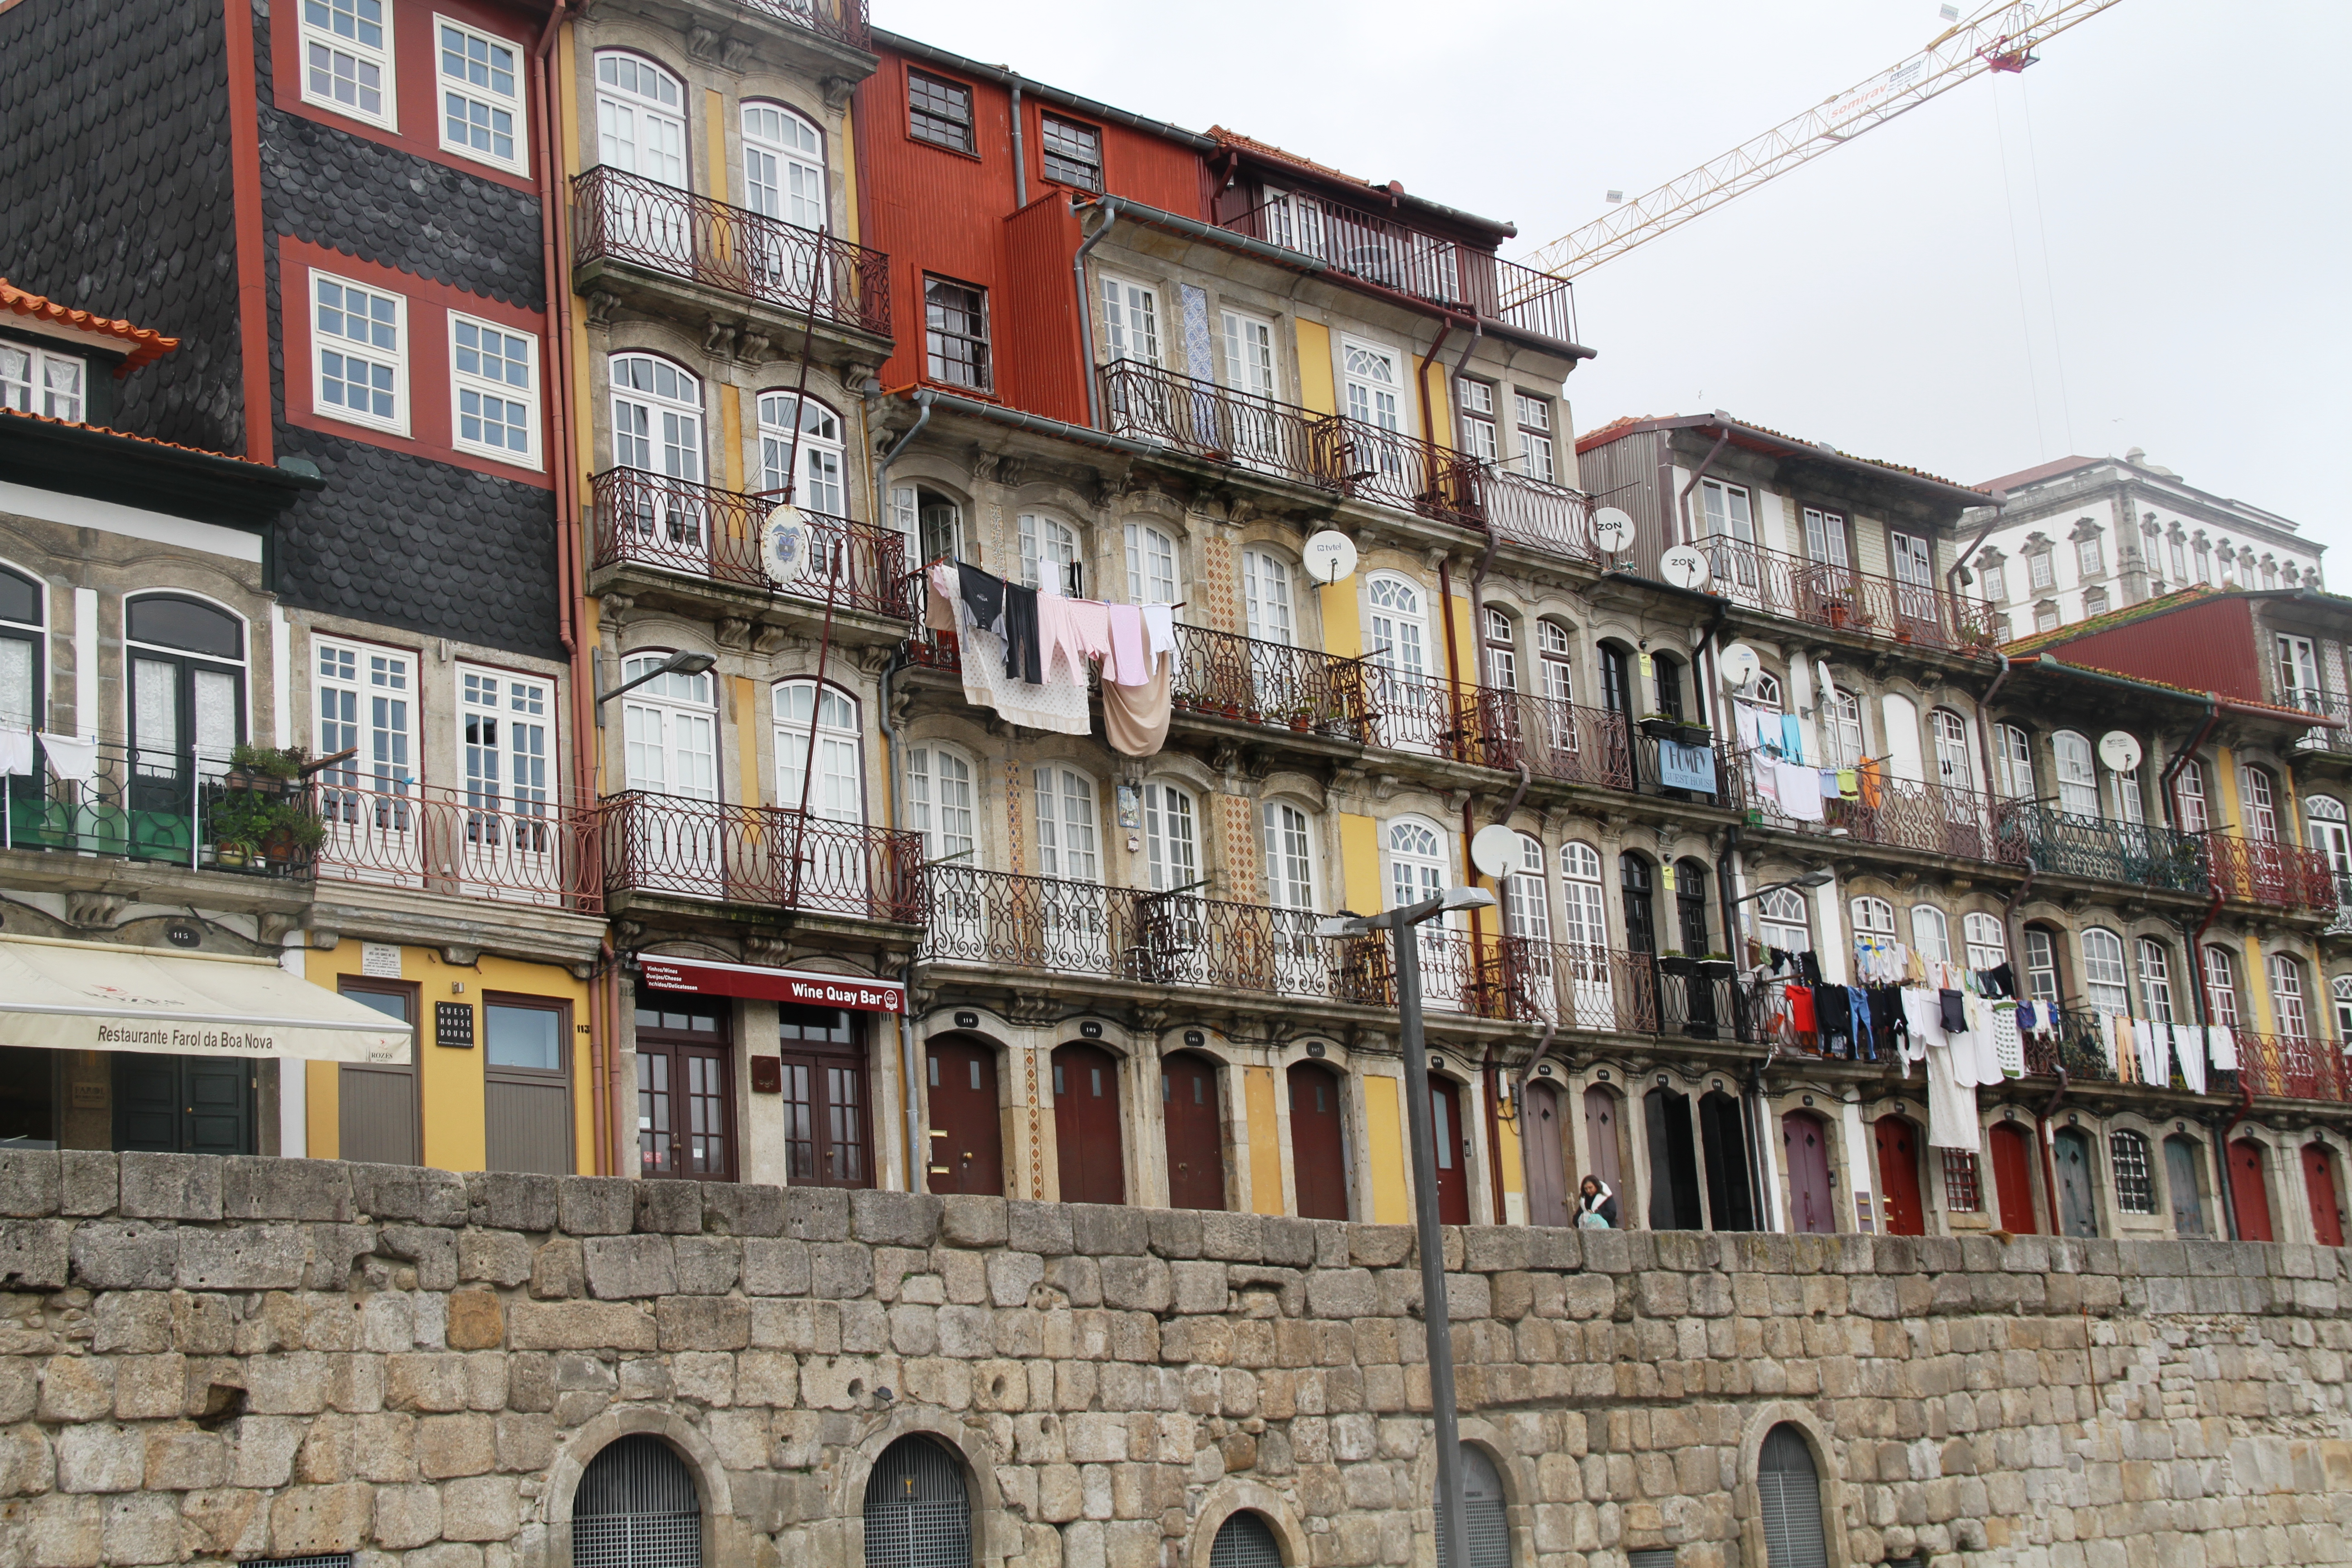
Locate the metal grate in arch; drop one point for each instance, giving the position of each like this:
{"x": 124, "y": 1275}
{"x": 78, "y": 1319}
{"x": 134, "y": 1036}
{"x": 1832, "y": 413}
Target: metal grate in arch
{"x": 1484, "y": 1522}
{"x": 636, "y": 1508}
{"x": 917, "y": 1514}
{"x": 1790, "y": 1490}
{"x": 1245, "y": 1541}
{"x": 316, "y": 1560}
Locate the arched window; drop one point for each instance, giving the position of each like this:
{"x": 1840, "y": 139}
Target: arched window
{"x": 838, "y": 792}
{"x": 939, "y": 804}
{"x": 2078, "y": 782}
{"x": 2134, "y": 1184}
{"x": 2221, "y": 986}
{"x": 2104, "y": 981}
{"x": 819, "y": 488}
{"x": 636, "y": 1508}
{"x": 1952, "y": 769}
{"x": 1502, "y": 650}
{"x": 1988, "y": 944}
{"x": 2042, "y": 981}
{"x": 1585, "y": 925}
{"x": 783, "y": 166}
{"x": 2323, "y": 818}
{"x": 2288, "y": 1008}
{"x": 1151, "y": 565}
{"x": 2012, "y": 762}
{"x": 2259, "y": 802}
{"x": 2190, "y": 798}
{"x": 671, "y": 726}
{"x": 1289, "y": 856}
{"x": 917, "y": 1514}
{"x": 1765, "y": 691}
{"x": 1931, "y": 934}
{"x": 23, "y": 668}
{"x": 1066, "y": 843}
{"x": 640, "y": 126}
{"x": 1266, "y": 597}
{"x": 1873, "y": 917}
{"x": 1048, "y": 545}
{"x": 931, "y": 523}
{"x": 1527, "y": 901}
{"x": 2340, "y": 989}
{"x": 1416, "y": 862}
{"x": 1842, "y": 730}
{"x": 657, "y": 417}
{"x": 2156, "y": 980}
{"x": 1555, "y": 662}
{"x": 1400, "y": 638}
{"x": 1245, "y": 1541}
{"x": 187, "y": 692}
{"x": 1171, "y": 838}
{"x": 1485, "y": 1529}
{"x": 1789, "y": 1495}
{"x": 1784, "y": 921}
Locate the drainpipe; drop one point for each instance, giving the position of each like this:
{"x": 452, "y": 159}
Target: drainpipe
{"x": 1109, "y": 207}
{"x": 2225, "y": 1125}
{"x": 2173, "y": 769}
{"x": 1428, "y": 417}
{"x": 1492, "y": 1074}
{"x": 1682, "y": 500}
{"x": 1751, "y": 1099}
{"x": 918, "y": 1155}
{"x": 2049, "y": 1161}
{"x": 1952, "y": 576}
{"x": 1019, "y": 159}
{"x": 882, "y": 470}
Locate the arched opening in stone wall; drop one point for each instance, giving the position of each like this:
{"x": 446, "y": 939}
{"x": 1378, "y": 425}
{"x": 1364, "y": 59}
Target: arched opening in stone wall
{"x": 637, "y": 1507}
{"x": 1484, "y": 1521}
{"x": 917, "y": 1514}
{"x": 1789, "y": 1495}
{"x": 1245, "y": 1541}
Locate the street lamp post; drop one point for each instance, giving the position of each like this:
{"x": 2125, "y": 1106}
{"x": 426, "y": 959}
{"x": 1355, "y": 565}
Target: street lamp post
{"x": 1402, "y": 926}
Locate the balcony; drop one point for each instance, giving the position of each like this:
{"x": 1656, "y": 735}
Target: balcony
{"x": 1893, "y": 813}
{"x": 477, "y": 844}
{"x": 625, "y": 226}
{"x": 2322, "y": 705}
{"x": 2281, "y": 875}
{"x": 844, "y": 21}
{"x": 1219, "y": 424}
{"x": 2288, "y": 1067}
{"x": 1387, "y": 255}
{"x": 2075, "y": 1050}
{"x": 1221, "y": 675}
{"x": 668, "y": 846}
{"x": 165, "y": 808}
{"x": 1564, "y": 742}
{"x": 679, "y": 528}
{"x": 2060, "y": 844}
{"x": 1522, "y": 509}
{"x": 1843, "y": 600}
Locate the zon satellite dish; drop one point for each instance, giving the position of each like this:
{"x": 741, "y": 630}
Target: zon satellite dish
{"x": 1613, "y": 530}
{"x": 1492, "y": 849}
{"x": 2119, "y": 751}
{"x": 1683, "y": 567}
{"x": 783, "y": 543}
{"x": 1330, "y": 556}
{"x": 1739, "y": 664}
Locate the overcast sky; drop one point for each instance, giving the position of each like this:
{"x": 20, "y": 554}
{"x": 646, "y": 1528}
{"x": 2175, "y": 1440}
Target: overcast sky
{"x": 2175, "y": 278}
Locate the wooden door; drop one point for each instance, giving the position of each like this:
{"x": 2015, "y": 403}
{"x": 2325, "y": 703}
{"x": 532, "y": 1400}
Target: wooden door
{"x": 2180, "y": 1178}
{"x": 2012, "y": 1178}
{"x": 1601, "y": 1154}
{"x": 1452, "y": 1150}
{"x": 182, "y": 1105}
{"x": 1319, "y": 1143}
{"x": 685, "y": 1120}
{"x": 967, "y": 1153}
{"x": 1898, "y": 1176}
{"x": 1089, "y": 1152}
{"x": 375, "y": 1103}
{"x": 1195, "y": 1133}
{"x": 1674, "y": 1163}
{"x": 2248, "y": 1198}
{"x": 1806, "y": 1140}
{"x": 2319, "y": 1181}
{"x": 1542, "y": 1136}
{"x": 2078, "y": 1213}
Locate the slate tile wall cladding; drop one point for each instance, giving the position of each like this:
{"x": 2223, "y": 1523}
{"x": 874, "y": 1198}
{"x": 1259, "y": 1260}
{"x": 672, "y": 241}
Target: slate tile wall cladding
{"x": 116, "y": 186}
{"x": 205, "y": 1359}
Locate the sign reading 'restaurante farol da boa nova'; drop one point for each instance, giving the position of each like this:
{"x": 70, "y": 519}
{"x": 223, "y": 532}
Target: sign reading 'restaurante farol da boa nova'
{"x": 94, "y": 997}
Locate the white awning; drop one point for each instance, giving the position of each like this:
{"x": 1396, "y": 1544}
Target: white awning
{"x": 93, "y": 996}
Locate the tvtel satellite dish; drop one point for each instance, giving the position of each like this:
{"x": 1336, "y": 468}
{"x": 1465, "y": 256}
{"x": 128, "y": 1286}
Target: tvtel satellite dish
{"x": 1330, "y": 556}
{"x": 2119, "y": 751}
{"x": 1492, "y": 849}
{"x": 783, "y": 543}
{"x": 1683, "y": 567}
{"x": 1739, "y": 664}
{"x": 1613, "y": 530}
{"x": 1829, "y": 686}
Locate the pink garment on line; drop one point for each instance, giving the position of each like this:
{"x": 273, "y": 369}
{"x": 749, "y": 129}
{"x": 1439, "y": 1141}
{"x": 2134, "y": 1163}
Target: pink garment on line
{"x": 1058, "y": 629}
{"x": 1090, "y": 624}
{"x": 1127, "y": 645}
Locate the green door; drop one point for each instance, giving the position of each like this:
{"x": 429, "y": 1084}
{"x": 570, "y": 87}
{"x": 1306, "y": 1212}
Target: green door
{"x": 182, "y": 1105}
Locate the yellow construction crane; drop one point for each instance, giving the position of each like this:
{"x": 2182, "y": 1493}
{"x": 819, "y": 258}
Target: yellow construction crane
{"x": 2000, "y": 37}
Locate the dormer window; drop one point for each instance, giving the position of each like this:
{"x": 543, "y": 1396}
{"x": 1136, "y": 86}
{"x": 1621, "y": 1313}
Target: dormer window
{"x": 1073, "y": 154}
{"x": 34, "y": 380}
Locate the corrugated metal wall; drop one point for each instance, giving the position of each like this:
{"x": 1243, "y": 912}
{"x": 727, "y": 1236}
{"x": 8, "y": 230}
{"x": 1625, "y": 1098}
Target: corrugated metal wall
{"x": 1042, "y": 355}
{"x": 2206, "y": 646}
{"x": 1624, "y": 473}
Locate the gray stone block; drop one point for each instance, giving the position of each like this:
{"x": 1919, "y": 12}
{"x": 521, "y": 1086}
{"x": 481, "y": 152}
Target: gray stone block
{"x": 1108, "y": 1231}
{"x": 89, "y": 1181}
{"x": 34, "y": 1254}
{"x": 1378, "y": 1245}
{"x": 1232, "y": 1238}
{"x": 1041, "y": 1228}
{"x": 817, "y": 1213}
{"x": 263, "y": 1187}
{"x": 1199, "y": 1286}
{"x": 1495, "y": 1248}
{"x": 708, "y": 1265}
{"x": 775, "y": 1266}
{"x": 417, "y": 1194}
{"x": 967, "y": 1220}
{"x": 1137, "y": 1284}
{"x": 511, "y": 1200}
{"x": 623, "y": 1267}
{"x": 249, "y": 1257}
{"x": 125, "y": 1255}
{"x": 171, "y": 1186}
{"x": 432, "y": 1250}
{"x": 595, "y": 1206}
{"x": 742, "y": 1209}
{"x": 840, "y": 1269}
{"x": 333, "y": 1248}
{"x": 1289, "y": 1243}
{"x": 669, "y": 1208}
{"x": 1175, "y": 1233}
{"x": 894, "y": 1219}
{"x": 28, "y": 1183}
{"x": 497, "y": 1257}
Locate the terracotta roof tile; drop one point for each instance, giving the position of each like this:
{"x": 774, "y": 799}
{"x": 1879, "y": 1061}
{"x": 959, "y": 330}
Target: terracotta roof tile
{"x": 1610, "y": 432}
{"x": 1269, "y": 150}
{"x": 127, "y": 435}
{"x": 146, "y": 344}
{"x": 1625, "y": 425}
{"x": 2038, "y": 473}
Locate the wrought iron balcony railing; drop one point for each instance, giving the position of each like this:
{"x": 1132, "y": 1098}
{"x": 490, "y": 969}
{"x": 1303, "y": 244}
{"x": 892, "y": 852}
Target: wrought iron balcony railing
{"x": 624, "y": 218}
{"x": 489, "y": 841}
{"x": 2290, "y": 1067}
{"x": 2283, "y": 876}
{"x": 2059, "y": 842}
{"x": 166, "y": 806}
{"x": 1222, "y": 675}
{"x": 1891, "y": 813}
{"x": 1218, "y": 424}
{"x": 1541, "y": 515}
{"x": 648, "y": 520}
{"x": 2322, "y": 705}
{"x": 842, "y": 19}
{"x": 1556, "y": 739}
{"x": 1842, "y": 599}
{"x": 769, "y": 856}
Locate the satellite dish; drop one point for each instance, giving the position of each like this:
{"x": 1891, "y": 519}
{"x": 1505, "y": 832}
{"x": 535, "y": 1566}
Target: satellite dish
{"x": 1613, "y": 530}
{"x": 1683, "y": 567}
{"x": 1739, "y": 664}
{"x": 783, "y": 543}
{"x": 1829, "y": 686}
{"x": 1330, "y": 556}
{"x": 2119, "y": 751}
{"x": 1492, "y": 849}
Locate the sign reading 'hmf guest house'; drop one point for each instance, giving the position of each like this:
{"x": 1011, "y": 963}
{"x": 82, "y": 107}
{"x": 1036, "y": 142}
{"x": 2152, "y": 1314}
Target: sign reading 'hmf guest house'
{"x": 701, "y": 977}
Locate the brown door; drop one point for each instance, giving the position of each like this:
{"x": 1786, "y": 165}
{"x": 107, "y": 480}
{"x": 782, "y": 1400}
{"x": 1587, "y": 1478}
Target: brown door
{"x": 1601, "y": 1143}
{"x": 2319, "y": 1179}
{"x": 1542, "y": 1147}
{"x": 685, "y": 1120}
{"x": 1898, "y": 1176}
{"x": 1319, "y": 1143}
{"x": 2248, "y": 1196}
{"x": 1196, "y": 1142}
{"x": 821, "y": 1068}
{"x": 1806, "y": 1139}
{"x": 2012, "y": 1178}
{"x": 1452, "y": 1150}
{"x": 1085, "y": 1125}
{"x": 375, "y": 1103}
{"x": 967, "y": 1153}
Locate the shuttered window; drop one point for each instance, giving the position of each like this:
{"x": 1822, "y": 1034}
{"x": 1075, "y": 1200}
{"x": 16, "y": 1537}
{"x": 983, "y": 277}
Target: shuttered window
{"x": 917, "y": 1513}
{"x": 636, "y": 1508}
{"x": 1790, "y": 1493}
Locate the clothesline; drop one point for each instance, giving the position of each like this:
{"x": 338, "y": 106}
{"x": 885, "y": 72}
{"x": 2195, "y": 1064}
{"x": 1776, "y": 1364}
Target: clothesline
{"x": 1027, "y": 653}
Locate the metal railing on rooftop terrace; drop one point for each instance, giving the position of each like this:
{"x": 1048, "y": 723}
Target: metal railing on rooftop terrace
{"x": 1842, "y": 599}
{"x": 842, "y": 19}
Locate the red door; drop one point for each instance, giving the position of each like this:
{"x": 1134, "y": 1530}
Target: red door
{"x": 1452, "y": 1151}
{"x": 1544, "y": 1148}
{"x": 2319, "y": 1179}
{"x": 1898, "y": 1176}
{"x": 1085, "y": 1125}
{"x": 967, "y": 1140}
{"x": 2248, "y": 1198}
{"x": 1806, "y": 1139}
{"x": 2012, "y": 1178}
{"x": 1196, "y": 1143}
{"x": 1319, "y": 1145}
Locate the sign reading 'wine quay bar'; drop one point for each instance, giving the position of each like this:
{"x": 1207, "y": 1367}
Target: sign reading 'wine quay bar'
{"x": 700, "y": 977}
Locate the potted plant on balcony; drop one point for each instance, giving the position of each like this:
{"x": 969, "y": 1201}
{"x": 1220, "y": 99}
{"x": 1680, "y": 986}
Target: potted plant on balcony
{"x": 1660, "y": 726}
{"x": 250, "y": 824}
{"x": 265, "y": 770}
{"x": 1691, "y": 734}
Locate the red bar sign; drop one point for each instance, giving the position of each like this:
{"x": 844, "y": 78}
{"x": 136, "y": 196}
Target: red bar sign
{"x": 701, "y": 977}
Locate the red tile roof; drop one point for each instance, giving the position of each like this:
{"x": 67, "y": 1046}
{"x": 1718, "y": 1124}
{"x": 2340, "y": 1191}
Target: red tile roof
{"x": 1621, "y": 425}
{"x": 2039, "y": 472}
{"x": 146, "y": 344}
{"x": 1269, "y": 150}
{"x": 127, "y": 435}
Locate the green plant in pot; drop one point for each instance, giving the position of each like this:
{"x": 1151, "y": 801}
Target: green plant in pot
{"x": 249, "y": 822}
{"x": 269, "y": 769}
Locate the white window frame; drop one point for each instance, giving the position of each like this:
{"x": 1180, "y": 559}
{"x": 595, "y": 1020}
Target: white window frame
{"x": 518, "y": 163}
{"x": 1984, "y": 939}
{"x": 1725, "y": 519}
{"x": 2077, "y": 773}
{"x": 1289, "y": 866}
{"x": 1931, "y": 933}
{"x": 2040, "y": 570}
{"x": 2012, "y": 762}
{"x": 1039, "y": 545}
{"x": 1871, "y": 916}
{"x": 2090, "y": 558}
{"x": 2107, "y": 973}
{"x": 823, "y": 469}
{"x": 396, "y": 357}
{"x": 1067, "y": 849}
{"x": 308, "y": 34}
{"x": 788, "y": 155}
{"x": 1131, "y": 312}
{"x": 1150, "y": 550}
{"x": 928, "y": 808}
{"x": 1250, "y": 355}
{"x": 789, "y": 734}
{"x": 461, "y": 381}
{"x": 1475, "y": 400}
{"x": 35, "y": 388}
{"x": 1784, "y": 919}
{"x": 1269, "y": 609}
{"x": 382, "y": 679}
{"x": 1538, "y": 446}
{"x": 1367, "y": 414}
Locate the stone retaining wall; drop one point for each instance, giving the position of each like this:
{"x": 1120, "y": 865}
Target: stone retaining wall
{"x": 226, "y": 1360}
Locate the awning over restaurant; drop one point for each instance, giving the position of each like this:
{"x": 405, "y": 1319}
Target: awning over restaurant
{"x": 706, "y": 977}
{"x": 95, "y": 996}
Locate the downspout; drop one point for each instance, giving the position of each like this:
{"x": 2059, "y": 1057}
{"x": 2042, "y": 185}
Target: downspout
{"x": 882, "y": 470}
{"x": 1952, "y": 575}
{"x": 1019, "y": 159}
{"x": 1682, "y": 500}
{"x": 2173, "y": 769}
{"x": 1984, "y": 749}
{"x": 2228, "y": 1125}
{"x": 2223, "y": 1126}
{"x": 1751, "y": 1109}
{"x": 1109, "y": 207}
{"x": 1492, "y": 1074}
{"x": 2048, "y": 1162}
{"x": 1453, "y": 701}
{"x": 918, "y": 1156}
